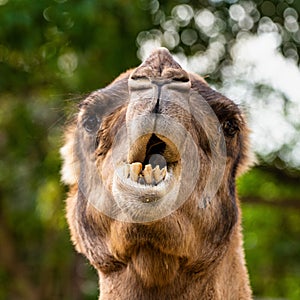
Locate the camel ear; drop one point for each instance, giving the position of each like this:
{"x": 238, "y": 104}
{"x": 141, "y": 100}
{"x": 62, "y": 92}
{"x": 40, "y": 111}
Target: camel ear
{"x": 249, "y": 158}
{"x": 249, "y": 161}
{"x": 70, "y": 167}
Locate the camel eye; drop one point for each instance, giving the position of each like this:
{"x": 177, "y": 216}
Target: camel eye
{"x": 230, "y": 127}
{"x": 91, "y": 123}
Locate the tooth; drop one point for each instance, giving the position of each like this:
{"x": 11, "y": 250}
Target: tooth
{"x": 135, "y": 169}
{"x": 157, "y": 174}
{"x": 163, "y": 172}
{"x": 148, "y": 174}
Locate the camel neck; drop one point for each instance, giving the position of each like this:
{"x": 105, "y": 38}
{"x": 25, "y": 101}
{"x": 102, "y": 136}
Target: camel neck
{"x": 226, "y": 279}
{"x": 127, "y": 284}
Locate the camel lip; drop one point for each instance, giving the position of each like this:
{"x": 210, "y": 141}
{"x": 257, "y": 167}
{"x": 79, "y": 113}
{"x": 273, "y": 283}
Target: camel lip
{"x": 129, "y": 192}
{"x": 149, "y": 190}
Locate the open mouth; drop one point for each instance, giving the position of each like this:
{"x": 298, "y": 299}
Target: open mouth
{"x": 152, "y": 159}
{"x": 156, "y": 163}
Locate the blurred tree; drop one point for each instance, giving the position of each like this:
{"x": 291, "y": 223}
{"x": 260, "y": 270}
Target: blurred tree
{"x": 52, "y": 52}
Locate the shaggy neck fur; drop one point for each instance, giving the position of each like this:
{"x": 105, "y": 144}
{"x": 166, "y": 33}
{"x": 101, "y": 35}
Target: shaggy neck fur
{"x": 211, "y": 266}
{"x": 224, "y": 279}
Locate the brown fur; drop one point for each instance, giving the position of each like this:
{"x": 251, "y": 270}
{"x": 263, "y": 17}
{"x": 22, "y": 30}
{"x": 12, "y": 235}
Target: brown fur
{"x": 192, "y": 253}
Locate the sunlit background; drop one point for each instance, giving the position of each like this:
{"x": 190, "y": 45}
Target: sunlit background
{"x": 52, "y": 53}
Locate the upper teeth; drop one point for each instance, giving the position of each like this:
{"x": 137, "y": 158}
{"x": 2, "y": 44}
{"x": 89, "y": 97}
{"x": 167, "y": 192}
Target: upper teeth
{"x": 135, "y": 169}
{"x": 147, "y": 175}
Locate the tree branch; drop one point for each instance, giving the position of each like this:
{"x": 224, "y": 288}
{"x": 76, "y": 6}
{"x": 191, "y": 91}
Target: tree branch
{"x": 284, "y": 202}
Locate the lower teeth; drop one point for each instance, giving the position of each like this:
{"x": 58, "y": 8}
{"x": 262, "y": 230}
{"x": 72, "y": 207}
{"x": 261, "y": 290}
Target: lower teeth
{"x": 145, "y": 176}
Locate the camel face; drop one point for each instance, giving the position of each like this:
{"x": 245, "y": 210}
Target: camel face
{"x": 156, "y": 140}
{"x": 152, "y": 159}
{"x": 157, "y": 171}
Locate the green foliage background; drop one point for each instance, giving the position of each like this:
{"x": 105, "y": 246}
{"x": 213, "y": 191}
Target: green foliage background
{"x": 51, "y": 54}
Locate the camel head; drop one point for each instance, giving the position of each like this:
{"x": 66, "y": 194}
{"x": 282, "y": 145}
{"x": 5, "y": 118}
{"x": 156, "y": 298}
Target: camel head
{"x": 152, "y": 161}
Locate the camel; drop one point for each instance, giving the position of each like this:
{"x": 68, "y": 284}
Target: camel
{"x": 151, "y": 161}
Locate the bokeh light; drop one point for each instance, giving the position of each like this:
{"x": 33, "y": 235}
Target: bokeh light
{"x": 261, "y": 54}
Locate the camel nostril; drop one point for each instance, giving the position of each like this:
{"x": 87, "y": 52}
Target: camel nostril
{"x": 156, "y": 109}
